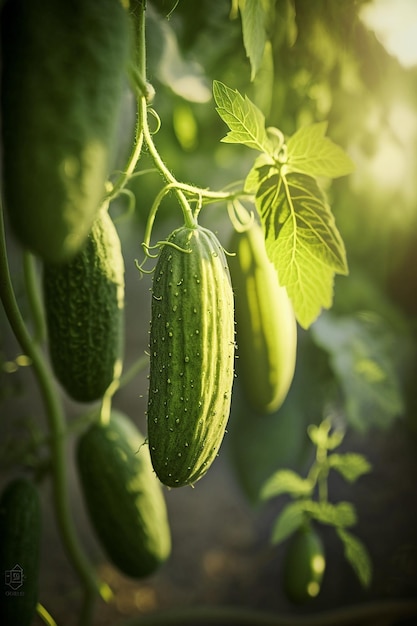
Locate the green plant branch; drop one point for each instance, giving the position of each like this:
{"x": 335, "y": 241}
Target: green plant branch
{"x": 45, "y": 616}
{"x": 138, "y": 366}
{"x": 137, "y": 74}
{"x": 56, "y": 425}
{"x": 189, "y": 218}
{"x": 360, "y": 615}
{"x": 322, "y": 474}
{"x": 214, "y": 196}
{"x": 132, "y": 161}
{"x": 34, "y": 299}
{"x": 142, "y": 92}
{"x": 138, "y": 12}
{"x": 152, "y": 214}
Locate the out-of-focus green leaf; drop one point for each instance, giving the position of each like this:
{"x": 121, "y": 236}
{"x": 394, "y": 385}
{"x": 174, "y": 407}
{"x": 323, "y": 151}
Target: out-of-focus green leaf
{"x": 351, "y": 465}
{"x": 357, "y": 555}
{"x": 254, "y": 21}
{"x": 290, "y": 518}
{"x": 263, "y": 83}
{"x": 186, "y": 79}
{"x": 322, "y": 438}
{"x": 359, "y": 349}
{"x": 341, "y": 515}
{"x": 286, "y": 481}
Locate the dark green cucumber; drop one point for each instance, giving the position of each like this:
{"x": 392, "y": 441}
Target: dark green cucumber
{"x": 123, "y": 497}
{"x": 63, "y": 68}
{"x": 304, "y": 565}
{"x": 20, "y": 534}
{"x": 84, "y": 303}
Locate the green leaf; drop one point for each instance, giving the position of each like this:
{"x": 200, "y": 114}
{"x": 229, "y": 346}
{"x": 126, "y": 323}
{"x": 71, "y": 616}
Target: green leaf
{"x": 357, "y": 555}
{"x": 335, "y": 439}
{"x": 245, "y": 120}
{"x": 254, "y": 32}
{"x": 301, "y": 239}
{"x": 311, "y": 153}
{"x": 321, "y": 437}
{"x": 290, "y": 518}
{"x": 351, "y": 465}
{"x": 340, "y": 515}
{"x": 314, "y": 433}
{"x": 286, "y": 481}
{"x": 360, "y": 349}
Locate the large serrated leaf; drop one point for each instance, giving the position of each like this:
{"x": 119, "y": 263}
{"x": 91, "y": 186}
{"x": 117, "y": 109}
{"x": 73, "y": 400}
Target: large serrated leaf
{"x": 311, "y": 153}
{"x": 301, "y": 239}
{"x": 245, "y": 120}
{"x": 357, "y": 555}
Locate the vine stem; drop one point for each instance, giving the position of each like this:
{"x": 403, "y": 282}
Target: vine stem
{"x": 189, "y": 218}
{"x": 45, "y": 616}
{"x": 130, "y": 166}
{"x": 138, "y": 78}
{"x": 34, "y": 298}
{"x": 56, "y": 424}
{"x": 375, "y": 612}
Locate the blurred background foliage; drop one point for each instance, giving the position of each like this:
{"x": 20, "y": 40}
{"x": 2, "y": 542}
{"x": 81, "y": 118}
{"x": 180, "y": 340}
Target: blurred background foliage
{"x": 348, "y": 62}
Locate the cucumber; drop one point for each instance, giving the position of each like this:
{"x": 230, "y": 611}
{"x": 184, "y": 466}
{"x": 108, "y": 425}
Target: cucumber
{"x": 84, "y": 305}
{"x": 266, "y": 328}
{"x": 20, "y": 536}
{"x": 191, "y": 356}
{"x": 63, "y": 68}
{"x": 304, "y": 565}
{"x": 123, "y": 497}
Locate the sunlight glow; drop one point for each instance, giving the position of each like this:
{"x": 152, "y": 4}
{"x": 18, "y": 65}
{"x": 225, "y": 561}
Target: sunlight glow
{"x": 395, "y": 25}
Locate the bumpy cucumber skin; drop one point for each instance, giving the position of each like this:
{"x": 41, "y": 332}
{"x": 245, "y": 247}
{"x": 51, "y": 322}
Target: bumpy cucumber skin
{"x": 61, "y": 87}
{"x": 84, "y": 305}
{"x": 191, "y": 356}
{"x": 123, "y": 497}
{"x": 266, "y": 328}
{"x": 20, "y": 533}
{"x": 304, "y": 565}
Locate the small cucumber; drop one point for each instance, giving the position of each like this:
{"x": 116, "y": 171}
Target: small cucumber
{"x": 304, "y": 565}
